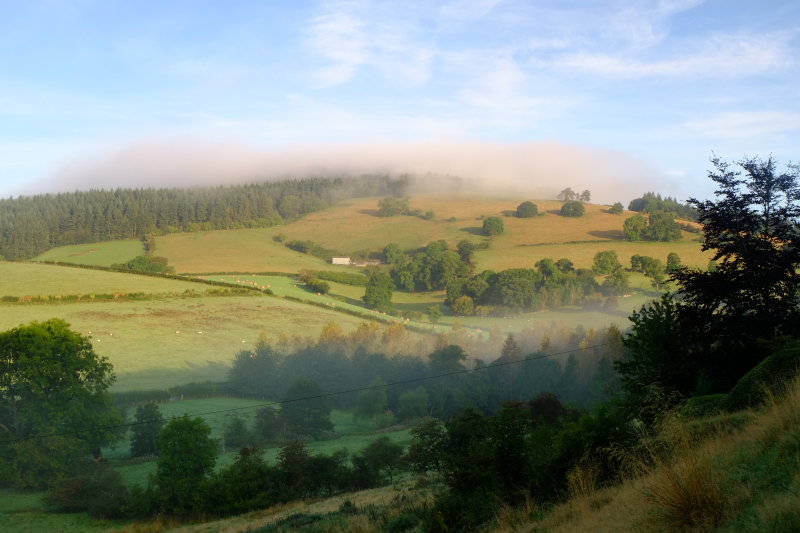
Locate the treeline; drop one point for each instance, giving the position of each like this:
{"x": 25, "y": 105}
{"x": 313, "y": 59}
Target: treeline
{"x": 33, "y": 224}
{"x": 582, "y": 375}
{"x": 651, "y": 203}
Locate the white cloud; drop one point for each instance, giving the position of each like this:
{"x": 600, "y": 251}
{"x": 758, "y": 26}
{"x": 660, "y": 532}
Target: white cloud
{"x": 720, "y": 55}
{"x": 746, "y": 124}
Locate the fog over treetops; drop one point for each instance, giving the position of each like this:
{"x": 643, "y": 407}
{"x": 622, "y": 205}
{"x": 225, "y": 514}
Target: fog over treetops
{"x": 540, "y": 168}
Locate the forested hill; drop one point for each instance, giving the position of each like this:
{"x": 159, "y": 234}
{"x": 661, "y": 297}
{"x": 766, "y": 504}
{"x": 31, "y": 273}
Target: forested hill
{"x": 30, "y": 225}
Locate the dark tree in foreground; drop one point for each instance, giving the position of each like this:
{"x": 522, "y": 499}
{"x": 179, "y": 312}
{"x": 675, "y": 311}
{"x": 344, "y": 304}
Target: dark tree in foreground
{"x": 720, "y": 315}
{"x": 753, "y": 230}
{"x": 146, "y": 426}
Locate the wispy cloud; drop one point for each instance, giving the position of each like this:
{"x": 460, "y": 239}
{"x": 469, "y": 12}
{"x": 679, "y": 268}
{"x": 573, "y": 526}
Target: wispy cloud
{"x": 745, "y": 124}
{"x": 720, "y": 55}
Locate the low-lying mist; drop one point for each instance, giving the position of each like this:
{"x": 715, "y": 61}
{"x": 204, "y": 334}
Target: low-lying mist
{"x": 539, "y": 169}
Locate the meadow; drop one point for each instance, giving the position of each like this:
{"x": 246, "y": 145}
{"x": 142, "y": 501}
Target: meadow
{"x": 36, "y": 279}
{"x": 353, "y": 226}
{"x": 95, "y": 254}
{"x": 159, "y": 343}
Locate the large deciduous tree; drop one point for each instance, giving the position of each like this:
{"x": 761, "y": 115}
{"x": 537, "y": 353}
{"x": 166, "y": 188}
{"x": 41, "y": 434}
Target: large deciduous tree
{"x": 147, "y": 425}
{"x": 52, "y": 383}
{"x": 307, "y": 409}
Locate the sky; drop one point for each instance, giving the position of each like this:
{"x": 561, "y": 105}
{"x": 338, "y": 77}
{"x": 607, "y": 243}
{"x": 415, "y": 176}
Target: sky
{"x": 617, "y": 96}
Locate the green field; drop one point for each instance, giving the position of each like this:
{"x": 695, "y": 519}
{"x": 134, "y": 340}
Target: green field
{"x": 164, "y": 342}
{"x": 353, "y": 435}
{"x": 33, "y": 279}
{"x": 95, "y": 254}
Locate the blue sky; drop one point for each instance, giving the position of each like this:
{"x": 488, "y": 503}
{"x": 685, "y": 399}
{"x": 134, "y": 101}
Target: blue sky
{"x": 118, "y": 93}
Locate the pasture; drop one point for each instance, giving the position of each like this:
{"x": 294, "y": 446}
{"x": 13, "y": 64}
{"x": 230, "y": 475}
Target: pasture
{"x": 95, "y": 254}
{"x": 352, "y": 435}
{"x": 160, "y": 343}
{"x": 36, "y": 279}
{"x": 353, "y": 226}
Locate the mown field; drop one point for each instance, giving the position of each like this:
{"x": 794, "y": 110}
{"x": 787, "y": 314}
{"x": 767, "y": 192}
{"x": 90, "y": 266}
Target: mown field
{"x": 95, "y": 254}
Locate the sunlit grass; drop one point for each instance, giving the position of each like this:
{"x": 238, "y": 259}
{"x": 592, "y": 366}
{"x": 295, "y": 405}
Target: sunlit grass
{"x": 95, "y": 254}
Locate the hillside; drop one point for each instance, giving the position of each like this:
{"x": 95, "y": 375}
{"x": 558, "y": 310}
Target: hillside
{"x": 353, "y": 226}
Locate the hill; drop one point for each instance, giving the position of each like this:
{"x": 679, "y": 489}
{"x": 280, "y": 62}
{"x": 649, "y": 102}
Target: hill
{"x": 353, "y": 227}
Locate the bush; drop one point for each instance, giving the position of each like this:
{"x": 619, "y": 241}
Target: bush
{"x": 527, "y": 210}
{"x": 572, "y": 209}
{"x": 493, "y": 226}
{"x": 769, "y": 375}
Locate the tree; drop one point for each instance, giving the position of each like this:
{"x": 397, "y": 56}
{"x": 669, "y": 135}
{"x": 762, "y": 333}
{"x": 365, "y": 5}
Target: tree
{"x": 573, "y": 209}
{"x": 393, "y": 205}
{"x": 752, "y": 228}
{"x": 187, "y": 454}
{"x": 52, "y": 381}
{"x": 378, "y": 294}
{"x": 606, "y": 262}
{"x": 616, "y": 209}
{"x": 616, "y": 283}
{"x": 413, "y": 404}
{"x": 147, "y": 425}
{"x": 382, "y": 455}
{"x": 567, "y": 195}
{"x": 236, "y": 434}
{"x": 585, "y": 196}
{"x": 307, "y": 409}
{"x": 673, "y": 262}
{"x": 527, "y": 209}
{"x": 634, "y": 227}
{"x": 662, "y": 227}
{"x": 372, "y": 401}
{"x": 493, "y": 226}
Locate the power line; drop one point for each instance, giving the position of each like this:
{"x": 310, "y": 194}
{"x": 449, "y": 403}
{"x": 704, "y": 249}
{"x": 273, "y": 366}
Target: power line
{"x": 314, "y": 397}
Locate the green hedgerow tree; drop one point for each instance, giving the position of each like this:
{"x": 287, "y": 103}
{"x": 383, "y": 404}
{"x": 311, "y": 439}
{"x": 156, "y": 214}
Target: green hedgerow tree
{"x": 378, "y": 294}
{"x": 186, "y": 456}
{"x": 147, "y": 425}
{"x": 306, "y": 408}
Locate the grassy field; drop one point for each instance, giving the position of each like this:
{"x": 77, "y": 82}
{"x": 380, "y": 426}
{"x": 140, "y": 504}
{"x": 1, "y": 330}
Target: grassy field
{"x": 95, "y": 254}
{"x": 165, "y": 342}
{"x": 353, "y": 225}
{"x": 32, "y": 279}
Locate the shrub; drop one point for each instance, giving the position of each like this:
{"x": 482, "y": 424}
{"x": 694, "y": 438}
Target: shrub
{"x": 527, "y": 210}
{"x": 493, "y": 226}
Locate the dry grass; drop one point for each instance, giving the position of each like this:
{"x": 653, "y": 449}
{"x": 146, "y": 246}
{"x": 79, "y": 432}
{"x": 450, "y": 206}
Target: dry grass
{"x": 353, "y": 225}
{"x": 684, "y": 480}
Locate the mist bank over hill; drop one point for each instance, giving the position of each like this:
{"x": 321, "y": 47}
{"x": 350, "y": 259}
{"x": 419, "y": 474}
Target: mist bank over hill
{"x": 536, "y": 168}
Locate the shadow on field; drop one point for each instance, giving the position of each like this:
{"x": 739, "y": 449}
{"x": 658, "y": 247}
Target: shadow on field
{"x": 614, "y": 234}
{"x": 371, "y": 212}
{"x": 555, "y": 212}
{"x": 166, "y": 378}
{"x": 473, "y": 230}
